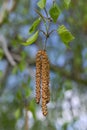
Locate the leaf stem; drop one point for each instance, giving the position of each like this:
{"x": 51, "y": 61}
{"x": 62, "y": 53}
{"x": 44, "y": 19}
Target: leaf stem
{"x": 46, "y": 12}
{"x": 47, "y": 20}
{"x": 43, "y": 32}
{"x": 54, "y": 30}
{"x": 40, "y": 15}
{"x": 45, "y": 43}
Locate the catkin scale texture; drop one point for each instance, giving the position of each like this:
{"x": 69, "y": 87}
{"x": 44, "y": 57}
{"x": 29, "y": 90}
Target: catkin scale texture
{"x": 42, "y": 80}
{"x": 45, "y": 82}
{"x": 45, "y": 77}
{"x": 38, "y": 76}
{"x": 44, "y": 108}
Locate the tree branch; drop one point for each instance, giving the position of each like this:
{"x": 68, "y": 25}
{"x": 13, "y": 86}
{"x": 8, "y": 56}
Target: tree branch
{"x": 7, "y": 7}
{"x": 3, "y": 79}
{"x": 68, "y": 75}
{"x": 54, "y": 68}
{"x": 64, "y": 73}
{"x": 26, "y": 119}
{"x": 3, "y": 44}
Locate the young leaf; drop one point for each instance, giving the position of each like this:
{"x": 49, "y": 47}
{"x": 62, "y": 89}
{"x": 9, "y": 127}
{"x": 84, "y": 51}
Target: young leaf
{"x": 54, "y": 12}
{"x": 41, "y": 4}
{"x": 31, "y": 39}
{"x": 67, "y": 3}
{"x": 65, "y": 35}
{"x": 34, "y": 25}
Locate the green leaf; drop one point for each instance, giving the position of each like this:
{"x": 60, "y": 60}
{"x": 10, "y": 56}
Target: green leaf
{"x": 65, "y": 34}
{"x": 32, "y": 107}
{"x": 65, "y": 125}
{"x": 1, "y": 53}
{"x": 23, "y": 55}
{"x": 34, "y": 25}
{"x": 17, "y": 113}
{"x": 22, "y": 65}
{"x": 41, "y": 4}
{"x": 15, "y": 69}
{"x": 67, "y": 3}
{"x": 19, "y": 95}
{"x": 31, "y": 39}
{"x": 54, "y": 12}
{"x": 27, "y": 92}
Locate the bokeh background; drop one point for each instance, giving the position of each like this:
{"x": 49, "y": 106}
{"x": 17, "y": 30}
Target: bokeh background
{"x": 67, "y": 109}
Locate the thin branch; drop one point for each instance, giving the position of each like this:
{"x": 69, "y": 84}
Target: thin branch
{"x": 26, "y": 120}
{"x": 45, "y": 43}
{"x": 4, "y": 78}
{"x": 49, "y": 19}
{"x": 7, "y": 7}
{"x": 63, "y": 73}
{"x": 43, "y": 32}
{"x": 60, "y": 70}
{"x": 16, "y": 57}
{"x": 40, "y": 15}
{"x": 46, "y": 12}
{"x": 54, "y": 30}
{"x": 68, "y": 75}
{"x": 3, "y": 44}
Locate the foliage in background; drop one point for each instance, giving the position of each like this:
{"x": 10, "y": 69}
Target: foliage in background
{"x": 68, "y": 68}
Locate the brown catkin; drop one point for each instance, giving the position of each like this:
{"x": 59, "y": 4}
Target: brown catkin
{"x": 44, "y": 108}
{"x": 48, "y": 90}
{"x": 45, "y": 82}
{"x": 42, "y": 80}
{"x": 38, "y": 76}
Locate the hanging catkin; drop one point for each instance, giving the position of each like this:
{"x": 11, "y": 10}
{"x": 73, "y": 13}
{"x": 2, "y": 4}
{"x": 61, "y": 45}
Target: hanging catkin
{"x": 38, "y": 76}
{"x": 42, "y": 80}
{"x": 45, "y": 82}
{"x": 44, "y": 107}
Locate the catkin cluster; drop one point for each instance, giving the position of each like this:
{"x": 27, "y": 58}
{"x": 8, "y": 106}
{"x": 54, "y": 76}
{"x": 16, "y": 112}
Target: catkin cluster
{"x": 42, "y": 80}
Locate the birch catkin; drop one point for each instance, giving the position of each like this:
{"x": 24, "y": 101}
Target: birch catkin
{"x": 42, "y": 80}
{"x": 45, "y": 77}
{"x": 38, "y": 76}
{"x": 45, "y": 82}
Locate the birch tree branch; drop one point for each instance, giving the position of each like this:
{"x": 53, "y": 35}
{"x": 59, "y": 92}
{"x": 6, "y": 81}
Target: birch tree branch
{"x": 3, "y": 45}
{"x": 54, "y": 68}
{"x": 7, "y": 7}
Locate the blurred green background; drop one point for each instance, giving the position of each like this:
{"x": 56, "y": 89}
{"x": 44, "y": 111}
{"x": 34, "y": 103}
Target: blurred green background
{"x": 67, "y": 109}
